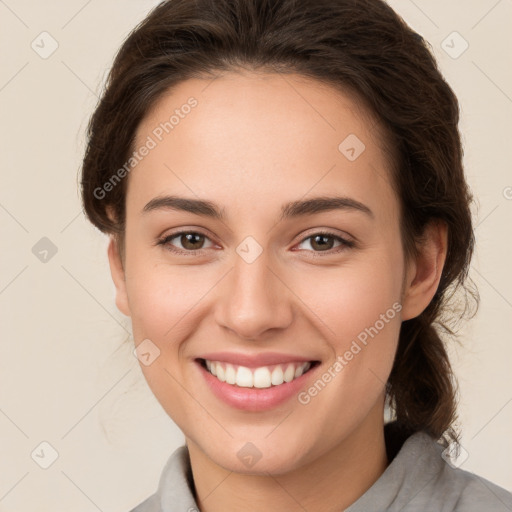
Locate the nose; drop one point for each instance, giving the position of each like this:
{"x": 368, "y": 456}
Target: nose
{"x": 253, "y": 299}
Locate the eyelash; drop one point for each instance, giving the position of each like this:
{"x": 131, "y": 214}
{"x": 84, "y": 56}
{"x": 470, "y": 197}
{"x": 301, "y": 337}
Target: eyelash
{"x": 345, "y": 244}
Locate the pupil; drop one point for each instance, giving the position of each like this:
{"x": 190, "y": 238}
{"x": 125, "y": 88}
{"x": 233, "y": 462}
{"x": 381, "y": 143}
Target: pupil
{"x": 189, "y": 240}
{"x": 322, "y": 245}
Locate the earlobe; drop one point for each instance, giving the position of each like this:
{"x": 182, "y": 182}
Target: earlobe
{"x": 118, "y": 276}
{"x": 425, "y": 273}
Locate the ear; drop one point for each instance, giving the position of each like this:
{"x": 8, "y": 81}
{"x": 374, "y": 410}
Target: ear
{"x": 424, "y": 274}
{"x": 118, "y": 276}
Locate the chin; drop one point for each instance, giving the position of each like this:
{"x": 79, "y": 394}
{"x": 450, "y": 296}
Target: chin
{"x": 259, "y": 457}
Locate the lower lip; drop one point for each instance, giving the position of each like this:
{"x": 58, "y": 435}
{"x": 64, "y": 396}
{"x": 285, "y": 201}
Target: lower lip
{"x": 254, "y": 399}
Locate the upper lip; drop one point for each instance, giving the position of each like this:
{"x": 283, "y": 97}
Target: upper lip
{"x": 255, "y": 360}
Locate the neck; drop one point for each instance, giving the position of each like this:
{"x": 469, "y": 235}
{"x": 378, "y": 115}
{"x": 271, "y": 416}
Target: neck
{"x": 332, "y": 482}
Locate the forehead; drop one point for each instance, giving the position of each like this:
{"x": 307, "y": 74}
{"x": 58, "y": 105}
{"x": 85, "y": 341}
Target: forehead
{"x": 260, "y": 136}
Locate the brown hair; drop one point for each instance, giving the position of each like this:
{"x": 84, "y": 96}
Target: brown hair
{"x": 360, "y": 46}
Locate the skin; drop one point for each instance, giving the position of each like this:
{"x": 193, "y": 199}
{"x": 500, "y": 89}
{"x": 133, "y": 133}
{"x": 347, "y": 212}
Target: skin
{"x": 253, "y": 143}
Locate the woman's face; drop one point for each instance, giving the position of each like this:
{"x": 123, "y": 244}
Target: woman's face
{"x": 270, "y": 286}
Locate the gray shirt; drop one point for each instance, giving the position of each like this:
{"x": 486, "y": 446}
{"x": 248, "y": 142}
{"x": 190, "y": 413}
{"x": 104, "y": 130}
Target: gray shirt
{"x": 417, "y": 480}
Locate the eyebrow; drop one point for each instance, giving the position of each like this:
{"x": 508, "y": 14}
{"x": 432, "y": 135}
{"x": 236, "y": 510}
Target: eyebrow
{"x": 289, "y": 210}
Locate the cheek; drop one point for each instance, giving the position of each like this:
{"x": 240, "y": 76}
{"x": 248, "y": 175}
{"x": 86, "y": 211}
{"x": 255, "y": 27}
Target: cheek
{"x": 348, "y": 299}
{"x": 365, "y": 329}
{"x": 164, "y": 301}
{"x": 359, "y": 308}
{"x": 162, "y": 296}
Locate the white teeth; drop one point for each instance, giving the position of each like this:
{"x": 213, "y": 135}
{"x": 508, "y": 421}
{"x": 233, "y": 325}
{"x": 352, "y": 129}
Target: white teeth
{"x": 220, "y": 373}
{"x": 244, "y": 377}
{"x": 261, "y": 377}
{"x": 277, "y": 376}
{"x": 289, "y": 373}
{"x": 230, "y": 374}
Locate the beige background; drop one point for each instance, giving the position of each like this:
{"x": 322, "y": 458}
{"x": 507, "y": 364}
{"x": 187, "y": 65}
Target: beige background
{"x": 61, "y": 375}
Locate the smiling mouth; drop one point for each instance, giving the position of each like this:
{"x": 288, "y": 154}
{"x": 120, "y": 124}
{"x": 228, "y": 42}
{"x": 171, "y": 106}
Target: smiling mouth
{"x": 260, "y": 377}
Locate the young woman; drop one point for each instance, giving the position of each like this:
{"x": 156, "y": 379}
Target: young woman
{"x": 283, "y": 186}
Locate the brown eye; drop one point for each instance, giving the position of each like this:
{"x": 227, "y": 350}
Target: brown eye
{"x": 192, "y": 241}
{"x": 324, "y": 242}
{"x": 185, "y": 242}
